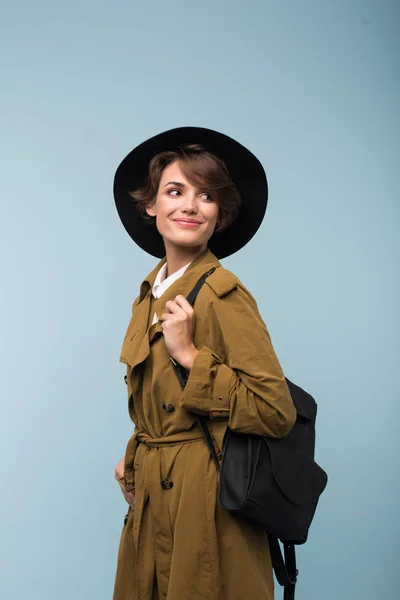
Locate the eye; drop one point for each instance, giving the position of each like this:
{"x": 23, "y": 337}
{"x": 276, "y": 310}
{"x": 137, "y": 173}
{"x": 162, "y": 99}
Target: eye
{"x": 173, "y": 190}
{"x": 208, "y": 196}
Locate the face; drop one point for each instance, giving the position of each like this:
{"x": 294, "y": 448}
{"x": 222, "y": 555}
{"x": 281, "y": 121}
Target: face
{"x": 185, "y": 217}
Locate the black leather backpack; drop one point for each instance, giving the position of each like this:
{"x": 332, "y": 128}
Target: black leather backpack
{"x": 273, "y": 482}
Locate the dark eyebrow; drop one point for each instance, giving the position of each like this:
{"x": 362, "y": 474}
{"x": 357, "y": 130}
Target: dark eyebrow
{"x": 177, "y": 183}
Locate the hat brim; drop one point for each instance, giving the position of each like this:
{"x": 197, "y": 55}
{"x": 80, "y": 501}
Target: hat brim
{"x": 245, "y": 170}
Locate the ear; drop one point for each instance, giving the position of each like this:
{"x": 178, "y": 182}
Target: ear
{"x": 220, "y": 224}
{"x": 151, "y": 210}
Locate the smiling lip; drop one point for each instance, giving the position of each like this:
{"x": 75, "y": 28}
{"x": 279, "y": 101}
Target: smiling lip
{"x": 187, "y": 222}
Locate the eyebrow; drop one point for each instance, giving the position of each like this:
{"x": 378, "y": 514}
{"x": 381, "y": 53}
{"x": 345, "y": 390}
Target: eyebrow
{"x": 177, "y": 183}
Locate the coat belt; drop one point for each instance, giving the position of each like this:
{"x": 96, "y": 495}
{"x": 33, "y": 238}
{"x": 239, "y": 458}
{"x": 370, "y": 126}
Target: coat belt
{"x": 176, "y": 439}
{"x": 140, "y": 437}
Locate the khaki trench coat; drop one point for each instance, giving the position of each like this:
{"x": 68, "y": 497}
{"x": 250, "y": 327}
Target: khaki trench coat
{"x": 177, "y": 544}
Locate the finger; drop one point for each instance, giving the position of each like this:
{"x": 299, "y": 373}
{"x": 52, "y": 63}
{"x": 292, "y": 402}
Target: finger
{"x": 118, "y": 472}
{"x": 175, "y": 310}
{"x": 119, "y": 469}
{"x": 173, "y": 307}
{"x": 168, "y": 317}
{"x": 182, "y": 301}
{"x": 184, "y": 304}
{"x": 130, "y": 498}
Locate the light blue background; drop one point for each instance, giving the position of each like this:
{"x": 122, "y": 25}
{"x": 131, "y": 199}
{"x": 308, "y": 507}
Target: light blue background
{"x": 312, "y": 88}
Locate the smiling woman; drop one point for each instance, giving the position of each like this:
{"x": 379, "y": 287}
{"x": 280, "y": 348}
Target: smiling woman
{"x": 193, "y": 189}
{"x": 185, "y": 215}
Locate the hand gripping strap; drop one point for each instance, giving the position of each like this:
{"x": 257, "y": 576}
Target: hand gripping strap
{"x": 182, "y": 374}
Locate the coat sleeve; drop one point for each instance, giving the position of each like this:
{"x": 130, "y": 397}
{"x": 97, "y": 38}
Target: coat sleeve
{"x": 243, "y": 382}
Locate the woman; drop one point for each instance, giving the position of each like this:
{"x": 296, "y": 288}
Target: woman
{"x": 191, "y": 196}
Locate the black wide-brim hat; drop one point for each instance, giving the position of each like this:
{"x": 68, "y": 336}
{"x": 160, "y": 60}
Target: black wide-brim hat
{"x": 244, "y": 168}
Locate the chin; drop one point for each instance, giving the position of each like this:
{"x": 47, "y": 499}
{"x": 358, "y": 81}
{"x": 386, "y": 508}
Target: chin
{"x": 185, "y": 243}
{"x": 185, "y": 239}
{"x": 188, "y": 243}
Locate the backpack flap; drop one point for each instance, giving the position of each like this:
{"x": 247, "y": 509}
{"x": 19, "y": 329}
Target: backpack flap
{"x": 299, "y": 477}
{"x": 295, "y": 483}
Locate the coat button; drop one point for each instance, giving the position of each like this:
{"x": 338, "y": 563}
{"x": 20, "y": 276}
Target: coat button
{"x": 166, "y": 484}
{"x": 168, "y": 408}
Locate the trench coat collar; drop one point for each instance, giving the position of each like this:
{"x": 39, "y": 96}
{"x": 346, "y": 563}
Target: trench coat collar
{"x": 200, "y": 265}
{"x": 137, "y": 342}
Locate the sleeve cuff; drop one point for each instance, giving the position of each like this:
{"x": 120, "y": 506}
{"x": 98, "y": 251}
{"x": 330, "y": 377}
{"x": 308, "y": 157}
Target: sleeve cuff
{"x": 207, "y": 390}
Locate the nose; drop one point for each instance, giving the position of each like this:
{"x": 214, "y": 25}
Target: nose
{"x": 189, "y": 204}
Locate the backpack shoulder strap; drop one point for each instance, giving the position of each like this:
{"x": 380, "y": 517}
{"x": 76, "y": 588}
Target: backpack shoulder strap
{"x": 191, "y": 297}
{"x": 285, "y": 568}
{"x": 182, "y": 375}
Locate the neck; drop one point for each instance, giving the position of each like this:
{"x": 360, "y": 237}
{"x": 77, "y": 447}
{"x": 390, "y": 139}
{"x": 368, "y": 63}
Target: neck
{"x": 178, "y": 257}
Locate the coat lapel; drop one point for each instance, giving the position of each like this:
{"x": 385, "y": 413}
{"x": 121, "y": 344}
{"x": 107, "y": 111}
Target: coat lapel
{"x": 135, "y": 347}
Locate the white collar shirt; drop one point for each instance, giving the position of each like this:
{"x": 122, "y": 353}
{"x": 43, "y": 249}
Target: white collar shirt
{"x": 162, "y": 283}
